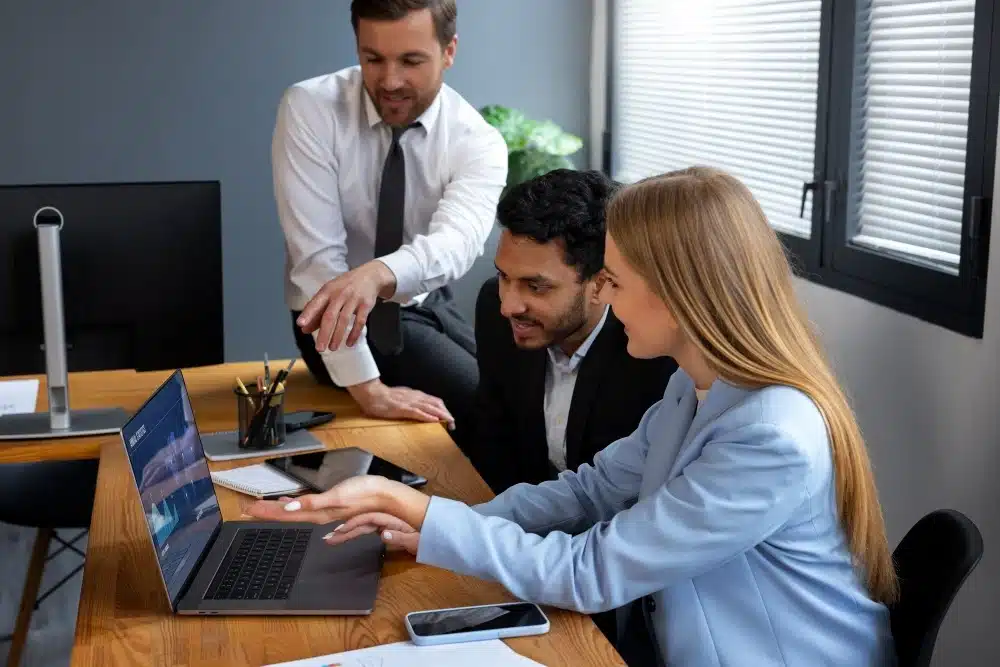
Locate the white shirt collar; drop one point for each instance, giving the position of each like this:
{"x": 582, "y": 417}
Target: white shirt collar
{"x": 557, "y": 356}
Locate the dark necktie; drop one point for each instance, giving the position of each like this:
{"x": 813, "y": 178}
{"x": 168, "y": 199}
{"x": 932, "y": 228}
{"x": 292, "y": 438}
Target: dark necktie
{"x": 384, "y": 329}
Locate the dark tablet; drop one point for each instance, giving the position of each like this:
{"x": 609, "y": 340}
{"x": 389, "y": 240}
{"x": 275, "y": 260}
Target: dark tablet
{"x": 323, "y": 470}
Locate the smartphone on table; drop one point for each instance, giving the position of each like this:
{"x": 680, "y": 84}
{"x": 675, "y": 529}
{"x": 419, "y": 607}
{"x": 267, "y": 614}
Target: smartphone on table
{"x": 325, "y": 469}
{"x": 300, "y": 419}
{"x": 477, "y": 623}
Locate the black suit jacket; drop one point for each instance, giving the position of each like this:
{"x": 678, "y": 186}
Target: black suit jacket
{"x": 612, "y": 392}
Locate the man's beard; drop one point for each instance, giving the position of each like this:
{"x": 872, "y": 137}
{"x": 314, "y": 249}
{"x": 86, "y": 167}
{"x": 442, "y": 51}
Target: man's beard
{"x": 569, "y": 323}
{"x": 419, "y": 104}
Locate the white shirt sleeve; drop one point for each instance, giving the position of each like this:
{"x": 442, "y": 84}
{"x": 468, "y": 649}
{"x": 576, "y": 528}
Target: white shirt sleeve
{"x": 462, "y": 222}
{"x": 306, "y": 192}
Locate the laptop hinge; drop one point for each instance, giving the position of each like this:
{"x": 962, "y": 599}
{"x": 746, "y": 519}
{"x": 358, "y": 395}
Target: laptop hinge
{"x": 193, "y": 573}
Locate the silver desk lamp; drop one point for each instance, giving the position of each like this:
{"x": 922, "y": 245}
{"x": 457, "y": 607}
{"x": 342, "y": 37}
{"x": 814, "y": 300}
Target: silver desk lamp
{"x": 59, "y": 421}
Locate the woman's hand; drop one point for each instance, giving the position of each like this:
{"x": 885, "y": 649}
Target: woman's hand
{"x": 396, "y": 534}
{"x": 351, "y": 497}
{"x": 367, "y": 502}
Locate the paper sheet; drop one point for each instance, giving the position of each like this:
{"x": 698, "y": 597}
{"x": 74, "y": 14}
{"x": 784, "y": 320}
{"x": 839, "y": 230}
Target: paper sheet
{"x": 18, "y": 396}
{"x": 492, "y": 653}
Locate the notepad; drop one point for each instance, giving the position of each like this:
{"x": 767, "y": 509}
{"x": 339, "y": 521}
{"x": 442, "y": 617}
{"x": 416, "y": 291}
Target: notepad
{"x": 18, "y": 396}
{"x": 258, "y": 480}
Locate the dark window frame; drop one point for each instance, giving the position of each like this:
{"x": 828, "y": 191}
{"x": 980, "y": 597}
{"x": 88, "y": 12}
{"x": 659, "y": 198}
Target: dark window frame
{"x": 957, "y": 303}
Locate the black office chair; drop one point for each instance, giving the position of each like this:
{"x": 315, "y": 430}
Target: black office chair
{"x": 932, "y": 561}
{"x": 45, "y": 496}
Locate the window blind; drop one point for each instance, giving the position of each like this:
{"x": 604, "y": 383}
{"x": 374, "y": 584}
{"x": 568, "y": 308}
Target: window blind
{"x": 912, "y": 76}
{"x": 724, "y": 83}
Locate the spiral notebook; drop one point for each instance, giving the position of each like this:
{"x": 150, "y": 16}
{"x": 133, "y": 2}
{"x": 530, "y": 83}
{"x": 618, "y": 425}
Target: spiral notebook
{"x": 259, "y": 481}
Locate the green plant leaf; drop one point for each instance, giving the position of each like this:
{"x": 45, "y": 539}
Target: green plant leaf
{"x": 494, "y": 114}
{"x": 526, "y": 164}
{"x": 523, "y": 134}
{"x": 512, "y": 124}
{"x": 550, "y": 138}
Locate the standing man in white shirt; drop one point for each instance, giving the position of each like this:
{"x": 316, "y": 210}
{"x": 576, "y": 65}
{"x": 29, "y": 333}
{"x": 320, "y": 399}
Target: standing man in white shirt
{"x": 387, "y": 182}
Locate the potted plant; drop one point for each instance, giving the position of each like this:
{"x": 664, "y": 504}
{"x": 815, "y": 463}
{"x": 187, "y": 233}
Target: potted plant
{"x": 533, "y": 147}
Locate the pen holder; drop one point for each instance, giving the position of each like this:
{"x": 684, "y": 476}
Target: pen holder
{"x": 267, "y": 429}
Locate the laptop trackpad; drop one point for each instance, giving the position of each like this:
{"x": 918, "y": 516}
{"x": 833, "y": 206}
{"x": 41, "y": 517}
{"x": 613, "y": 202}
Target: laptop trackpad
{"x": 342, "y": 578}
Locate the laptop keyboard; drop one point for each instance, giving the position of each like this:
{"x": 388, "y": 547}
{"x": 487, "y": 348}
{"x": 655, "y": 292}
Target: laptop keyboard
{"x": 261, "y": 565}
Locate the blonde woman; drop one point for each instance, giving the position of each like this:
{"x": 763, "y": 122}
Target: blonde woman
{"x": 743, "y": 508}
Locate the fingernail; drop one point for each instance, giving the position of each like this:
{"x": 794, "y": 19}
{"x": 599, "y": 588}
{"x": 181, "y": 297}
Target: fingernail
{"x": 293, "y": 506}
{"x": 245, "y": 516}
{"x": 387, "y": 536}
{"x": 328, "y": 536}
{"x": 339, "y": 528}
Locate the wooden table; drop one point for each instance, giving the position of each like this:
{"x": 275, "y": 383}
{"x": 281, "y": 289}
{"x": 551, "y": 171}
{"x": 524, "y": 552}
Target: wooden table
{"x": 124, "y": 617}
{"x": 211, "y": 396}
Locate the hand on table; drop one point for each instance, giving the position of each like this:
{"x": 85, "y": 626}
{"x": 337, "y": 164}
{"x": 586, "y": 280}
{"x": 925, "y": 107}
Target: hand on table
{"x": 380, "y": 400}
{"x": 342, "y": 305}
{"x": 366, "y": 504}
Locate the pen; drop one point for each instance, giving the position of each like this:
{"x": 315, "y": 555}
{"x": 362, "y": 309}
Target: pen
{"x": 267, "y": 372}
{"x": 280, "y": 377}
{"x": 269, "y": 420}
{"x": 283, "y": 373}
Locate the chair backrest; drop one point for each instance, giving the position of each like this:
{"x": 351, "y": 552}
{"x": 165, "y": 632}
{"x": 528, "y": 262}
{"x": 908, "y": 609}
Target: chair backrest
{"x": 932, "y": 561}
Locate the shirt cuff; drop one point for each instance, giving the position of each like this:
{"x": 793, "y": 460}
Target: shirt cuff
{"x": 349, "y": 366}
{"x": 441, "y": 534}
{"x": 406, "y": 268}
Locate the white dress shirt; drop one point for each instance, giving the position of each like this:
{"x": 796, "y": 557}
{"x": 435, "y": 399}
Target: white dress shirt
{"x": 328, "y": 150}
{"x": 560, "y": 381}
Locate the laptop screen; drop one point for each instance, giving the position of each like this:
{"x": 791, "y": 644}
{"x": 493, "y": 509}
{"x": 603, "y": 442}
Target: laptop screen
{"x": 168, "y": 462}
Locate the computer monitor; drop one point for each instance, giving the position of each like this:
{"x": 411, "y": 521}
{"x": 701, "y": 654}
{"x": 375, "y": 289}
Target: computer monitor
{"x": 131, "y": 275}
{"x": 141, "y": 276}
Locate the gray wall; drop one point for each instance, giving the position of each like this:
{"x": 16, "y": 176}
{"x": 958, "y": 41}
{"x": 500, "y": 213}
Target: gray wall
{"x": 927, "y": 400}
{"x": 112, "y": 90}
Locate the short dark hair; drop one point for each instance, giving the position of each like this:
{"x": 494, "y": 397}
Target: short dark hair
{"x": 444, "y": 13}
{"x": 562, "y": 204}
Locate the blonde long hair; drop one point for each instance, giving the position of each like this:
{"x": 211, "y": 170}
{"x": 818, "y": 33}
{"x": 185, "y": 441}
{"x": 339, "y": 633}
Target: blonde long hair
{"x": 702, "y": 243}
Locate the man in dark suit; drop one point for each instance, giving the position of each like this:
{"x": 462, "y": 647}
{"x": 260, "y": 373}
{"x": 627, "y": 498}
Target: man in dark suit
{"x": 556, "y": 382}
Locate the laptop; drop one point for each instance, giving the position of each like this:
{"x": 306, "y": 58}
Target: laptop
{"x": 211, "y": 566}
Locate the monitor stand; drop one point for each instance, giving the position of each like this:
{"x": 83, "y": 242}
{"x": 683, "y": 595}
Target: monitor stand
{"x": 59, "y": 421}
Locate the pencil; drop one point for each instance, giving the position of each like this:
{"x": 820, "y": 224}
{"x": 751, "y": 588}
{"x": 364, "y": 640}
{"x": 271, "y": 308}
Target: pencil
{"x": 246, "y": 393}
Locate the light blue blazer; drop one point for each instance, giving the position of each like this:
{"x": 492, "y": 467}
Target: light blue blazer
{"x": 724, "y": 516}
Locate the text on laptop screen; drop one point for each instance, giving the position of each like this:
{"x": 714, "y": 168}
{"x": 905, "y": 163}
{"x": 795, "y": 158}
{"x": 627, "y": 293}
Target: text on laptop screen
{"x": 169, "y": 465}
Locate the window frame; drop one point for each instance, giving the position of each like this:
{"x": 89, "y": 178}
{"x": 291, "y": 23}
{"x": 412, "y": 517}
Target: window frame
{"x": 956, "y": 303}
